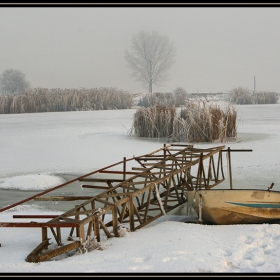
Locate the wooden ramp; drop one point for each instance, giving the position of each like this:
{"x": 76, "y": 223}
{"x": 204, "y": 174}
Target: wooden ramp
{"x": 135, "y": 192}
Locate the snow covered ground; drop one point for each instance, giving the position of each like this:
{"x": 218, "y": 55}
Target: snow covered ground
{"x": 42, "y": 150}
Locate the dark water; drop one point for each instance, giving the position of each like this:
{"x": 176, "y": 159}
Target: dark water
{"x": 10, "y": 197}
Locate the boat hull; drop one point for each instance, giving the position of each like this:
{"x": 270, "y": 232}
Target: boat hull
{"x": 236, "y": 206}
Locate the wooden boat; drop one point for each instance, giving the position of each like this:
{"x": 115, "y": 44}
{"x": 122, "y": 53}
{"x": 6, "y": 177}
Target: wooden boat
{"x": 222, "y": 206}
{"x": 236, "y": 206}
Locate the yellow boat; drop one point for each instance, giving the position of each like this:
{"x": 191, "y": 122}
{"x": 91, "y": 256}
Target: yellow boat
{"x": 235, "y": 206}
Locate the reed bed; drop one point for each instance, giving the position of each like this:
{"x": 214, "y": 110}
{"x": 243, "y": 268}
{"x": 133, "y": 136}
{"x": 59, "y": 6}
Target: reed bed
{"x": 58, "y": 100}
{"x": 197, "y": 122}
{"x": 176, "y": 98}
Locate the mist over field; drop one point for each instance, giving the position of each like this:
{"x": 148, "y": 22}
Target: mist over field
{"x": 218, "y": 48}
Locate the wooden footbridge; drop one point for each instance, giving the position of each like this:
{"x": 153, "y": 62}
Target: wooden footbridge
{"x": 143, "y": 189}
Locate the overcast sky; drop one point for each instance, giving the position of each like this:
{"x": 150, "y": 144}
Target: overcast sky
{"x": 218, "y": 48}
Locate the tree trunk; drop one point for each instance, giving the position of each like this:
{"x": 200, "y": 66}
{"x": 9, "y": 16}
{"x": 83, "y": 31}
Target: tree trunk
{"x": 150, "y": 86}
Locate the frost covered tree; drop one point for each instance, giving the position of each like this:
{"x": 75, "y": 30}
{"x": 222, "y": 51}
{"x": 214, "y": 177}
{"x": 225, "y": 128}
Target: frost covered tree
{"x": 13, "y": 81}
{"x": 150, "y": 58}
{"x": 241, "y": 95}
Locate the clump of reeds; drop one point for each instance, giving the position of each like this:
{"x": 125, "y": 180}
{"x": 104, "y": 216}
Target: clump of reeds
{"x": 153, "y": 122}
{"x": 193, "y": 124}
{"x": 198, "y": 121}
{"x": 57, "y": 100}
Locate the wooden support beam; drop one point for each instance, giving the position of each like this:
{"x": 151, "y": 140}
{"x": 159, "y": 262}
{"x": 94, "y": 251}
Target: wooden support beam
{"x": 35, "y": 216}
{"x": 61, "y": 198}
{"x": 95, "y": 187}
{"x": 115, "y": 221}
{"x": 44, "y": 233}
{"x": 38, "y": 225}
{"x": 100, "y": 180}
{"x": 140, "y": 168}
{"x": 104, "y": 201}
{"x": 32, "y": 257}
{"x": 105, "y": 229}
{"x": 151, "y": 163}
{"x": 138, "y": 183}
{"x": 119, "y": 172}
{"x": 150, "y": 158}
{"x": 96, "y": 228}
{"x": 35, "y": 257}
{"x": 111, "y": 195}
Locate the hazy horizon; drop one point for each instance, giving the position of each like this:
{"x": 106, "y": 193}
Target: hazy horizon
{"x": 218, "y": 48}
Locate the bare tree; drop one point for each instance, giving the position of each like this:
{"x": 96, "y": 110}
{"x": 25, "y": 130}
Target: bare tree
{"x": 13, "y": 81}
{"x": 150, "y": 57}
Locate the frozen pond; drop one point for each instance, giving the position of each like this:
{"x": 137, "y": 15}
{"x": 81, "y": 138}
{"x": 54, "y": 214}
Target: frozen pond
{"x": 70, "y": 144}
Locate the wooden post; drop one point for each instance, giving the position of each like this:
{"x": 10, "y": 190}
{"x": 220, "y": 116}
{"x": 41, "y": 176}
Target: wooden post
{"x": 96, "y": 228}
{"x": 115, "y": 221}
{"x": 44, "y": 233}
{"x": 58, "y": 233}
{"x": 124, "y": 167}
{"x": 200, "y": 169}
{"x": 81, "y": 232}
{"x": 229, "y": 168}
{"x": 77, "y": 217}
{"x": 131, "y": 213}
{"x": 200, "y": 209}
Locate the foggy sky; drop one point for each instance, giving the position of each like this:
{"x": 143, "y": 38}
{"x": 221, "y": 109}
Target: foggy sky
{"x": 218, "y": 48}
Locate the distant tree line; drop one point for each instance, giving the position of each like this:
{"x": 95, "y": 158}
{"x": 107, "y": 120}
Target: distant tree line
{"x": 59, "y": 100}
{"x": 242, "y": 95}
{"x": 13, "y": 81}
